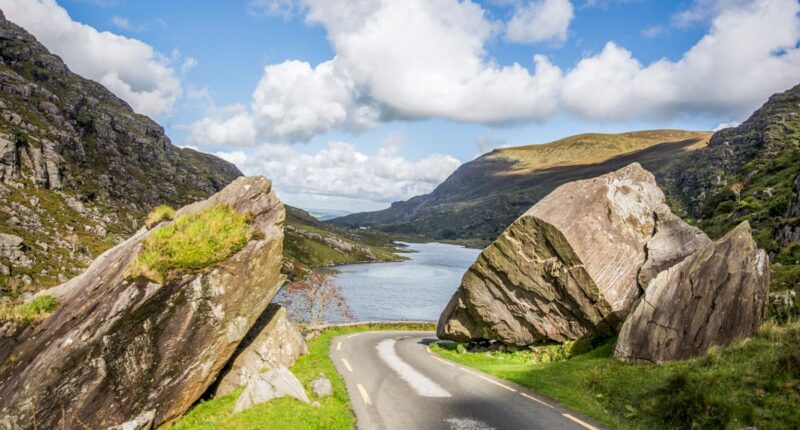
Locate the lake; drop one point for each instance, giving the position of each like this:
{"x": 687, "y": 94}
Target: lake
{"x": 415, "y": 289}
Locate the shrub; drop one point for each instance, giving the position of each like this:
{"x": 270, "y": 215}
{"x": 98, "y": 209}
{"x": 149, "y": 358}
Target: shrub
{"x": 191, "y": 243}
{"x": 159, "y": 214}
{"x": 36, "y": 310}
{"x": 315, "y": 299}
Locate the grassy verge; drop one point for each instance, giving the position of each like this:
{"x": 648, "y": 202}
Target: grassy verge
{"x": 755, "y": 382}
{"x": 333, "y": 413}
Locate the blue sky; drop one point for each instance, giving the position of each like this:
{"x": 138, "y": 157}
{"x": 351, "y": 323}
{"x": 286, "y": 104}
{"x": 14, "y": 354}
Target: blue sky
{"x": 341, "y": 119}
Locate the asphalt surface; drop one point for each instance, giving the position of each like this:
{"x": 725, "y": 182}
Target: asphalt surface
{"x": 395, "y": 382}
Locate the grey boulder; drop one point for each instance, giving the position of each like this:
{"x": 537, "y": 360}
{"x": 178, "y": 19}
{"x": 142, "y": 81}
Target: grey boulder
{"x": 712, "y": 298}
{"x": 571, "y": 265}
{"x": 272, "y": 384}
{"x": 322, "y": 386}
{"x": 274, "y": 342}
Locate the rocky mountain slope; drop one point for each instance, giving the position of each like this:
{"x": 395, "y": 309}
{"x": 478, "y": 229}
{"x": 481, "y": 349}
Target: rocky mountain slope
{"x": 749, "y": 173}
{"x": 480, "y": 199}
{"x": 78, "y": 168}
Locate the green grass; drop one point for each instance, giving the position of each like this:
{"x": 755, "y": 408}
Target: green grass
{"x": 333, "y": 413}
{"x": 25, "y": 313}
{"x": 755, "y": 382}
{"x": 159, "y": 214}
{"x": 192, "y": 242}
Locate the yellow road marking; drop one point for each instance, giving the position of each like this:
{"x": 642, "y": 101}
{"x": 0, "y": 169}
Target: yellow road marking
{"x": 339, "y": 346}
{"x": 444, "y": 361}
{"x": 489, "y": 380}
{"x": 347, "y": 365}
{"x": 364, "y": 394}
{"x": 536, "y": 400}
{"x": 588, "y": 426}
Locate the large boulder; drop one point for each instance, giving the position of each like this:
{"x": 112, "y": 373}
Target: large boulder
{"x": 711, "y": 298}
{"x": 571, "y": 265}
{"x": 272, "y": 384}
{"x": 273, "y": 342}
{"x": 116, "y": 347}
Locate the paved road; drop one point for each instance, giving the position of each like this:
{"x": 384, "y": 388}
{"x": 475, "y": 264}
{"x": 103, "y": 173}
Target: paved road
{"x": 395, "y": 382}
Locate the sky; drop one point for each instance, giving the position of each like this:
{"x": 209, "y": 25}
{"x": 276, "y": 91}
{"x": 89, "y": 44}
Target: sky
{"x": 352, "y": 104}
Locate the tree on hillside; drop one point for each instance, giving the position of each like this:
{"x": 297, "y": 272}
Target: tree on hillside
{"x": 315, "y": 299}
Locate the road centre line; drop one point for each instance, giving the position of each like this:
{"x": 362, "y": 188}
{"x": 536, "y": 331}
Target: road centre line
{"x": 339, "y": 346}
{"x": 588, "y": 426}
{"x": 364, "y": 394}
{"x": 489, "y": 379}
{"x": 347, "y": 365}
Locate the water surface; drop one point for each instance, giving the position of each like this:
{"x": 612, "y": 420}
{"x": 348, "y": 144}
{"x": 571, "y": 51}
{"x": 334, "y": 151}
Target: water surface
{"x": 415, "y": 289}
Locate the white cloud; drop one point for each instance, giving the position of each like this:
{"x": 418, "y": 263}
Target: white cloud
{"x": 285, "y": 9}
{"x": 188, "y": 64}
{"x": 231, "y": 125}
{"x": 400, "y": 59}
{"x": 120, "y": 22}
{"x": 653, "y": 31}
{"x": 417, "y": 59}
{"x": 341, "y": 170}
{"x": 540, "y": 20}
{"x": 131, "y": 69}
{"x": 485, "y": 143}
{"x": 726, "y": 125}
{"x": 701, "y": 10}
{"x": 294, "y": 101}
{"x": 749, "y": 53}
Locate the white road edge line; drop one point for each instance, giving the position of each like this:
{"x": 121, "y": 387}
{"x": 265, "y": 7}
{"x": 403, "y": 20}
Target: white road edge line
{"x": 421, "y": 384}
{"x": 588, "y": 426}
{"x": 489, "y": 380}
{"x": 364, "y": 394}
{"x": 536, "y": 400}
{"x": 444, "y": 361}
{"x": 347, "y": 365}
{"x": 339, "y": 346}
{"x": 351, "y": 335}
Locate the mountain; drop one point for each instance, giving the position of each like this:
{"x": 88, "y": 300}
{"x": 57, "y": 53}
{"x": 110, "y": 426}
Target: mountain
{"x": 79, "y": 170}
{"x": 750, "y": 173}
{"x": 310, "y": 243}
{"x": 482, "y": 197}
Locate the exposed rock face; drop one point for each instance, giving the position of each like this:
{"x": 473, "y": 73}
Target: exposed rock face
{"x": 270, "y": 385}
{"x": 115, "y": 348}
{"x": 570, "y": 266}
{"x": 712, "y": 297}
{"x": 794, "y": 205}
{"x": 79, "y": 168}
{"x": 275, "y": 342}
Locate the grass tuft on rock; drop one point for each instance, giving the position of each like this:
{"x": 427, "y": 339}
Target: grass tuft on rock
{"x": 191, "y": 243}
{"x": 25, "y": 313}
{"x": 159, "y": 214}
